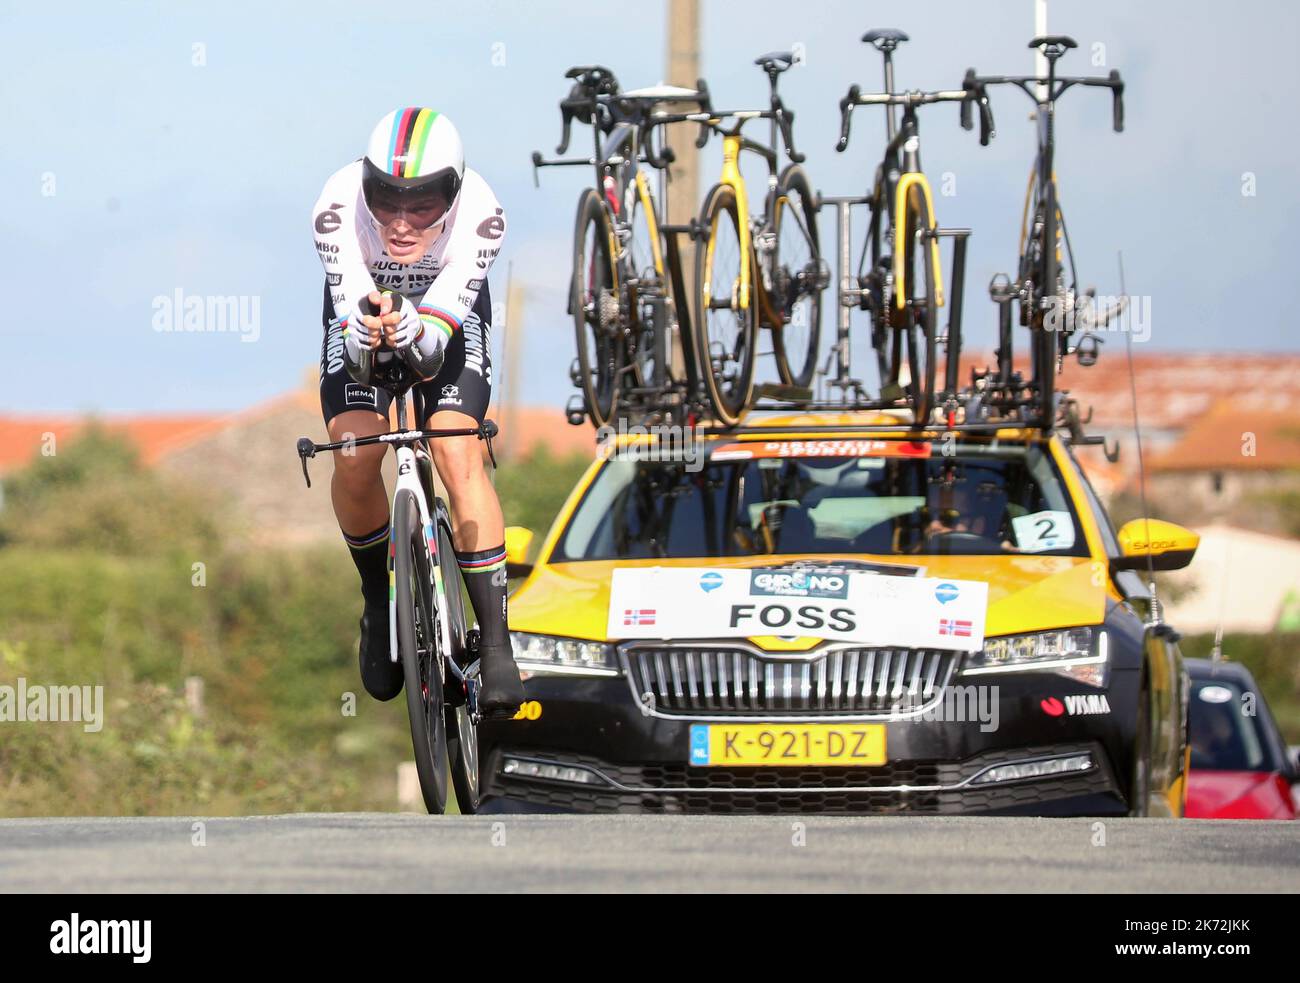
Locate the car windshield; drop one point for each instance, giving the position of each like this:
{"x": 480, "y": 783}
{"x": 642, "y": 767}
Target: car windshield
{"x": 1223, "y": 736}
{"x": 878, "y": 497}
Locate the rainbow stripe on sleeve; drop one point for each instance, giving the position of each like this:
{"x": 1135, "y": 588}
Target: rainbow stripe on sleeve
{"x": 435, "y": 317}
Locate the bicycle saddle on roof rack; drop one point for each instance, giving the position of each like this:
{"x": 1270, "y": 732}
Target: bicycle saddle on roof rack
{"x": 1054, "y": 45}
{"x": 885, "y": 38}
{"x": 775, "y": 61}
{"x": 597, "y": 76}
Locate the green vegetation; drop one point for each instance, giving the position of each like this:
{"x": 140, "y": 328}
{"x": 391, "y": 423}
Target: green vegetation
{"x": 113, "y": 576}
{"x": 533, "y": 490}
{"x": 1272, "y": 660}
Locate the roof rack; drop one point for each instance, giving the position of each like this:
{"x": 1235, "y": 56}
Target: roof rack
{"x": 902, "y": 428}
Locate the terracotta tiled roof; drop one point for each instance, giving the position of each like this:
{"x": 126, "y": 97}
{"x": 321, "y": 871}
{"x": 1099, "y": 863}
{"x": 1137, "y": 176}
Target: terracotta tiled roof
{"x": 1172, "y": 389}
{"x": 1238, "y": 435}
{"x": 158, "y": 436}
{"x": 24, "y": 437}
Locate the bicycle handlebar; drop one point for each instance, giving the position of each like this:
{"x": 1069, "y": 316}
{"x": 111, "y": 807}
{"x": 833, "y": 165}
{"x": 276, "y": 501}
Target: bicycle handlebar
{"x": 308, "y": 448}
{"x": 597, "y": 100}
{"x": 910, "y": 100}
{"x": 1025, "y": 83}
{"x": 785, "y": 119}
{"x": 661, "y": 159}
{"x": 979, "y": 96}
{"x": 1116, "y": 101}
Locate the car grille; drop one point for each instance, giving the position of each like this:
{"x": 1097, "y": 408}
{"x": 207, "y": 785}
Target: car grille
{"x": 676, "y": 787}
{"x": 727, "y": 680}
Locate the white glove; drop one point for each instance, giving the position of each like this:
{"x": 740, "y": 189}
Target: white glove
{"x": 426, "y": 353}
{"x": 357, "y": 337}
{"x": 409, "y": 327}
{"x": 402, "y": 333}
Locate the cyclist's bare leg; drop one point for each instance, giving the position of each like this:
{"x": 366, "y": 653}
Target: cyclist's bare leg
{"x": 361, "y": 506}
{"x": 357, "y": 487}
{"x": 475, "y": 510}
{"x": 479, "y": 537}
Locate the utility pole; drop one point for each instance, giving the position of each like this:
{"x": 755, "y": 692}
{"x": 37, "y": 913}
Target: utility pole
{"x": 1040, "y": 30}
{"x": 513, "y": 344}
{"x": 683, "y": 175}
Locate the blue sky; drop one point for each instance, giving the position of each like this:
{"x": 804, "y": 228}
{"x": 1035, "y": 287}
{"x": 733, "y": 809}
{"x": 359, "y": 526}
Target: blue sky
{"x": 168, "y": 175}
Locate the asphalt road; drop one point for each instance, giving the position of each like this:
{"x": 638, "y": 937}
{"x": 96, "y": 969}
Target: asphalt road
{"x": 383, "y": 852}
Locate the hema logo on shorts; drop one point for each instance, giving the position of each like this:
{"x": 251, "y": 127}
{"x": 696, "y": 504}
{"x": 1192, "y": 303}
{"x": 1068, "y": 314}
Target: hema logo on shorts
{"x": 356, "y": 394}
{"x": 102, "y": 937}
{"x": 232, "y": 314}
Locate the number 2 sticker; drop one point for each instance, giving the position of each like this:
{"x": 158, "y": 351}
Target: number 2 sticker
{"x": 1040, "y": 531}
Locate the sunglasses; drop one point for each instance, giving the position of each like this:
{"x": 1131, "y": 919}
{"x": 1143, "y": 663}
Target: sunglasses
{"x": 420, "y": 213}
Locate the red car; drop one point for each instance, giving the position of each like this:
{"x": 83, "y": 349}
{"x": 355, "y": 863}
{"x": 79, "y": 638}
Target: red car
{"x": 1241, "y": 767}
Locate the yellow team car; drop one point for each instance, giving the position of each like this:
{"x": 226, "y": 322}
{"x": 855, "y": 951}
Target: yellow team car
{"x": 834, "y": 613}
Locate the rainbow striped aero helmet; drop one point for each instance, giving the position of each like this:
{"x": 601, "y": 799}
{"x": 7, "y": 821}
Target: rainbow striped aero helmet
{"x": 414, "y": 164}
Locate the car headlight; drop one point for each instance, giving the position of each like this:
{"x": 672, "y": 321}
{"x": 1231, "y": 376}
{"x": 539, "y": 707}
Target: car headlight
{"x": 552, "y": 655}
{"x": 1079, "y": 653}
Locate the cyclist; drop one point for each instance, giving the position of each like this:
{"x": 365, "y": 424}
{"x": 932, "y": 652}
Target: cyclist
{"x": 407, "y": 235}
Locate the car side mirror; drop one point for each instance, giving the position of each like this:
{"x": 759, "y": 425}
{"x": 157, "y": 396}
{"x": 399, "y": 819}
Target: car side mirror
{"x": 1155, "y": 543}
{"x": 518, "y": 540}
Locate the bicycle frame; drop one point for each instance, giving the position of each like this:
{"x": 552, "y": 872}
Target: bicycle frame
{"x": 633, "y": 186}
{"x": 898, "y": 183}
{"x": 412, "y": 459}
{"x": 894, "y": 179}
{"x": 1042, "y": 199}
{"x": 733, "y": 143}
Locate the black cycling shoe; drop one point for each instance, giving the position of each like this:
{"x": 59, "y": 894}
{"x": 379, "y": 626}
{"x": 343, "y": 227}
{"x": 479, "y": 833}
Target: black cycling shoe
{"x": 501, "y": 690}
{"x": 381, "y": 676}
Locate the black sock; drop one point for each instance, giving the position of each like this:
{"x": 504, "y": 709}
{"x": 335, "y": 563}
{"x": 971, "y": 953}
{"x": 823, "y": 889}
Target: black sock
{"x": 370, "y": 554}
{"x": 485, "y": 578}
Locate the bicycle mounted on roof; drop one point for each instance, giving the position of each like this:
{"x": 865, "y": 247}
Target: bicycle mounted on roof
{"x": 717, "y": 327}
{"x": 626, "y": 292}
{"x": 899, "y": 280}
{"x": 1050, "y": 305}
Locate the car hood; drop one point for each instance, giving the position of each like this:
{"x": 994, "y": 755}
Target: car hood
{"x": 1026, "y": 593}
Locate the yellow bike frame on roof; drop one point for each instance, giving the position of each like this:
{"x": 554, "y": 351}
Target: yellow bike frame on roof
{"x": 731, "y": 177}
{"x": 905, "y": 183}
{"x": 647, "y": 208}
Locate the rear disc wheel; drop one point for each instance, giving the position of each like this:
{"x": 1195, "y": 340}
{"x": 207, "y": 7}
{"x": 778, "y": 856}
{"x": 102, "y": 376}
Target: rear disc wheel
{"x": 462, "y": 731}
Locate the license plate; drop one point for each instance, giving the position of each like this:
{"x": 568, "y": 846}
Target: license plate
{"x": 778, "y": 745}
